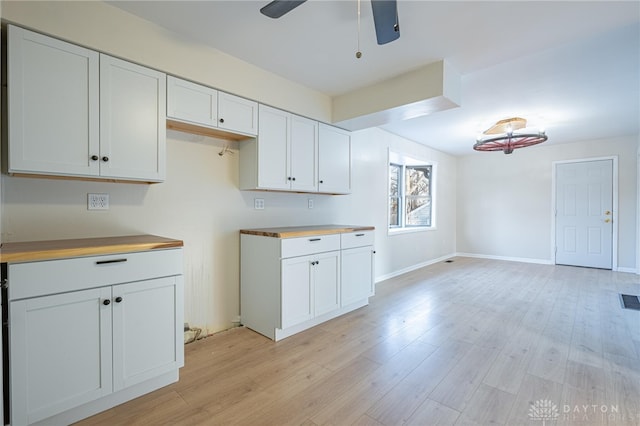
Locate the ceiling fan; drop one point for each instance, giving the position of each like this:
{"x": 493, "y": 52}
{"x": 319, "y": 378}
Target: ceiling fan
{"x": 385, "y": 16}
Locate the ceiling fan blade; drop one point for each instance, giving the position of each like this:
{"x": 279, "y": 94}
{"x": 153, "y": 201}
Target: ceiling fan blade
{"x": 385, "y": 19}
{"x": 277, "y": 8}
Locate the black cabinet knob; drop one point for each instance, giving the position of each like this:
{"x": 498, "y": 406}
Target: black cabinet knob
{"x": 293, "y": 178}
{"x": 118, "y": 299}
{"x": 105, "y": 158}
{"x": 321, "y": 181}
{"x": 106, "y": 302}
{"x": 95, "y": 158}
{"x": 222, "y": 120}
{"x": 289, "y": 178}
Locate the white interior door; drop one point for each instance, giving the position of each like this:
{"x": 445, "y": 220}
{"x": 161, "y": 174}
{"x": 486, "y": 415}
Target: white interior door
{"x": 584, "y": 214}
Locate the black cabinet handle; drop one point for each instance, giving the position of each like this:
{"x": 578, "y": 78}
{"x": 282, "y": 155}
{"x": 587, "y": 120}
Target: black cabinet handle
{"x": 315, "y": 239}
{"x": 359, "y": 235}
{"x": 106, "y": 262}
{"x": 106, "y": 302}
{"x": 222, "y": 120}
{"x": 118, "y": 299}
{"x": 95, "y": 158}
{"x": 105, "y": 158}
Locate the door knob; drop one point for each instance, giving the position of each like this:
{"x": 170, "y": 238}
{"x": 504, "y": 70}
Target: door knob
{"x": 607, "y": 220}
{"x": 607, "y": 212}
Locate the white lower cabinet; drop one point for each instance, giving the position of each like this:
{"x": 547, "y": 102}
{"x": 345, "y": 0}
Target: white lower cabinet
{"x": 310, "y": 287}
{"x": 288, "y": 285}
{"x": 357, "y": 270}
{"x": 77, "y": 347}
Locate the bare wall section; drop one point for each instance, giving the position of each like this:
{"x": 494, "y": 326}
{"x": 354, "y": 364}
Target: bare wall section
{"x": 504, "y": 201}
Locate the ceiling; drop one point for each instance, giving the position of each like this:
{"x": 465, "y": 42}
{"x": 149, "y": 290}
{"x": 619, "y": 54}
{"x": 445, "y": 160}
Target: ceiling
{"x": 571, "y": 67}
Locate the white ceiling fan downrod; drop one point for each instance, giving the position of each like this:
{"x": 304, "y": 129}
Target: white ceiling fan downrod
{"x": 358, "y": 52}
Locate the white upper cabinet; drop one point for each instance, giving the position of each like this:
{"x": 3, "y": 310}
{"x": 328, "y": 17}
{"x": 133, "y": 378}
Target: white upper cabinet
{"x": 205, "y": 107}
{"x": 284, "y": 155}
{"x": 132, "y": 121}
{"x": 74, "y": 112}
{"x": 303, "y": 152}
{"x": 53, "y": 94}
{"x": 237, "y": 114}
{"x": 272, "y": 149}
{"x": 192, "y": 102}
{"x": 334, "y": 160}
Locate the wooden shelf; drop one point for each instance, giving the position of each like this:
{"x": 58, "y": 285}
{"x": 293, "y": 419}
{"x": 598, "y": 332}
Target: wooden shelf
{"x": 205, "y": 131}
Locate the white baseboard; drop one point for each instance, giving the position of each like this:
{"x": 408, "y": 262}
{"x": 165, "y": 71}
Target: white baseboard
{"x": 628, "y": 270}
{"x": 413, "y": 267}
{"x": 507, "y": 258}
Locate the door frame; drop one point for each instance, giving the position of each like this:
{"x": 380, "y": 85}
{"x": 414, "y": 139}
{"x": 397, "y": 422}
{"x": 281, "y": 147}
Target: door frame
{"x": 614, "y": 243}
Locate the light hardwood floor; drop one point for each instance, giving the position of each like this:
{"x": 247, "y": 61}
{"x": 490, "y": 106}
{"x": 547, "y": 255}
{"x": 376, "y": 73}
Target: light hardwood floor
{"x": 470, "y": 342}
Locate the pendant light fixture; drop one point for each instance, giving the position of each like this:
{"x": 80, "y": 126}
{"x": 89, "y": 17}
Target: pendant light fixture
{"x": 507, "y": 135}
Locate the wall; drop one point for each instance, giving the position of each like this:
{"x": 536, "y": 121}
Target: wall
{"x": 200, "y": 202}
{"x": 504, "y": 201}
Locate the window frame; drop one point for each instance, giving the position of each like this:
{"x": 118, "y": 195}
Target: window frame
{"x": 403, "y": 162}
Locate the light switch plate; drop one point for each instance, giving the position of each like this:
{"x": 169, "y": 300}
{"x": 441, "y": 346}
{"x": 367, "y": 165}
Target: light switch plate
{"x": 258, "y": 203}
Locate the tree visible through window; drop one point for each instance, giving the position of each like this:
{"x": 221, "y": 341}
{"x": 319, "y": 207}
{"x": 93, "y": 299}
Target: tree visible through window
{"x": 410, "y": 195}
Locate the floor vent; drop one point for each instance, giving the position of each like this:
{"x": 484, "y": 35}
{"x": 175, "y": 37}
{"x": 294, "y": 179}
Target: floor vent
{"x": 630, "y": 302}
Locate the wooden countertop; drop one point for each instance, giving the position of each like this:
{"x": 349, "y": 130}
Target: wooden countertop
{"x": 305, "y": 231}
{"x": 57, "y": 249}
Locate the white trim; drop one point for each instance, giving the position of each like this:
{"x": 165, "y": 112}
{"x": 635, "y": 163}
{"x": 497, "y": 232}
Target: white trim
{"x": 628, "y": 270}
{"x": 413, "y": 267}
{"x": 507, "y": 258}
{"x": 614, "y": 248}
{"x": 638, "y": 210}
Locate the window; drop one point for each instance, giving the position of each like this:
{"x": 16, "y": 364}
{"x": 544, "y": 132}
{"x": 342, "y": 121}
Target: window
{"x": 410, "y": 193}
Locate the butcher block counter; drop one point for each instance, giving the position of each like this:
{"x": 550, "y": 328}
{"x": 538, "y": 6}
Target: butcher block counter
{"x": 31, "y": 251}
{"x": 306, "y": 231}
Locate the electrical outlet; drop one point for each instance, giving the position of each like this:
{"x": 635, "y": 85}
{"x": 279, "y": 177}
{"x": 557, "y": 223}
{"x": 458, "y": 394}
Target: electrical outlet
{"x": 258, "y": 203}
{"x": 310, "y": 203}
{"x": 97, "y": 201}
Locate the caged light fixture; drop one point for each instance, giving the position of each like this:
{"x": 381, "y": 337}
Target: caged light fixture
{"x": 507, "y": 135}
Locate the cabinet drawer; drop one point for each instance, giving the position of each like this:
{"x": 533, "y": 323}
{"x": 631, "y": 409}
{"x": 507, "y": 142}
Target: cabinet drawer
{"x": 292, "y": 247}
{"x": 356, "y": 239}
{"x": 56, "y": 276}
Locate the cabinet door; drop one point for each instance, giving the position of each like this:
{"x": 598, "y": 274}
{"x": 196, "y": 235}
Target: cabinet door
{"x": 273, "y": 149}
{"x": 303, "y": 148}
{"x": 147, "y": 324}
{"x": 297, "y": 302}
{"x": 357, "y": 274}
{"x": 132, "y": 121}
{"x": 237, "y": 114}
{"x": 52, "y": 105}
{"x": 326, "y": 282}
{"x": 60, "y": 353}
{"x": 334, "y": 160}
{"x": 192, "y": 102}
